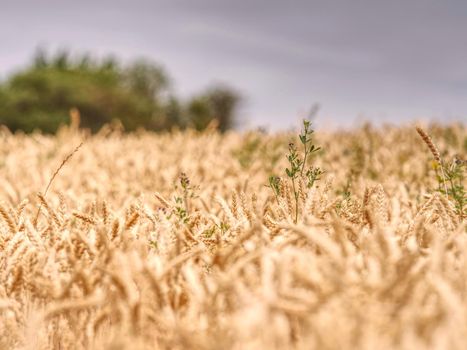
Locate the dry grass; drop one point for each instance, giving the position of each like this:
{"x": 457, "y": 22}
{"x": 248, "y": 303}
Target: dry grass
{"x": 125, "y": 256}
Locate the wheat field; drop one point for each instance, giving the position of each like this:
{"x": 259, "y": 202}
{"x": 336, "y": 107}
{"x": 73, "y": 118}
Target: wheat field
{"x": 176, "y": 241}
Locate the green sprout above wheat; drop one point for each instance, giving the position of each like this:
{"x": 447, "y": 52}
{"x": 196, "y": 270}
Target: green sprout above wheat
{"x": 297, "y": 168}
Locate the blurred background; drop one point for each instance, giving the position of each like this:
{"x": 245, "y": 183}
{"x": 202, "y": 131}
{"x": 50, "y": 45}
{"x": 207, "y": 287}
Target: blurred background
{"x": 257, "y": 63}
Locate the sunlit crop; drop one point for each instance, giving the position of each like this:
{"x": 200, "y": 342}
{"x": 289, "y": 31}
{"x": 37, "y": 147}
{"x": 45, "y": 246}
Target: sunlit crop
{"x": 203, "y": 240}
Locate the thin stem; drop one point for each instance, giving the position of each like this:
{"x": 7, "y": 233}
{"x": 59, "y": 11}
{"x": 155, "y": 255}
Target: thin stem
{"x": 277, "y": 198}
{"x": 67, "y": 158}
{"x": 304, "y": 161}
{"x": 296, "y": 200}
{"x": 185, "y": 200}
{"x": 444, "y": 180}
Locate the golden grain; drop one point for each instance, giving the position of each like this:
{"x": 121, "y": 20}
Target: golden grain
{"x": 115, "y": 260}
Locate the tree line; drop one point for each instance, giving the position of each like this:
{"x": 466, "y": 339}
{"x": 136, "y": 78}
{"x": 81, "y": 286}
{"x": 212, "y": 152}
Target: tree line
{"x": 138, "y": 94}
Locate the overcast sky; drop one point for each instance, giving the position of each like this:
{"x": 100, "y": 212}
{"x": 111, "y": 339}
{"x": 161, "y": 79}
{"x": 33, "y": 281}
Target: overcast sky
{"x": 393, "y": 60}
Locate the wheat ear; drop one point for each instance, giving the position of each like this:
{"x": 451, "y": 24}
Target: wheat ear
{"x": 434, "y": 151}
{"x": 66, "y": 159}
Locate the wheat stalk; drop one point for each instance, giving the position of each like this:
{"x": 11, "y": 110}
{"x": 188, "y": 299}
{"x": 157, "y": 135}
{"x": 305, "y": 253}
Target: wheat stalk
{"x": 113, "y": 266}
{"x": 436, "y": 155}
{"x": 66, "y": 159}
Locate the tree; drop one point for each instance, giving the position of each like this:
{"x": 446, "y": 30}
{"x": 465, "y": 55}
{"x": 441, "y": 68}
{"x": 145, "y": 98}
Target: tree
{"x": 139, "y": 95}
{"x": 218, "y": 102}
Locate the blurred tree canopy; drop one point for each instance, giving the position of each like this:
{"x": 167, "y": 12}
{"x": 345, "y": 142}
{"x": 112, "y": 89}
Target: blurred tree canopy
{"x": 139, "y": 95}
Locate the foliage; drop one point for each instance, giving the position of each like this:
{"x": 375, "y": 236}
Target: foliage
{"x": 296, "y": 170}
{"x": 219, "y": 103}
{"x": 455, "y": 177}
{"x": 248, "y": 151}
{"x": 139, "y": 95}
{"x": 182, "y": 207}
{"x": 451, "y": 177}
